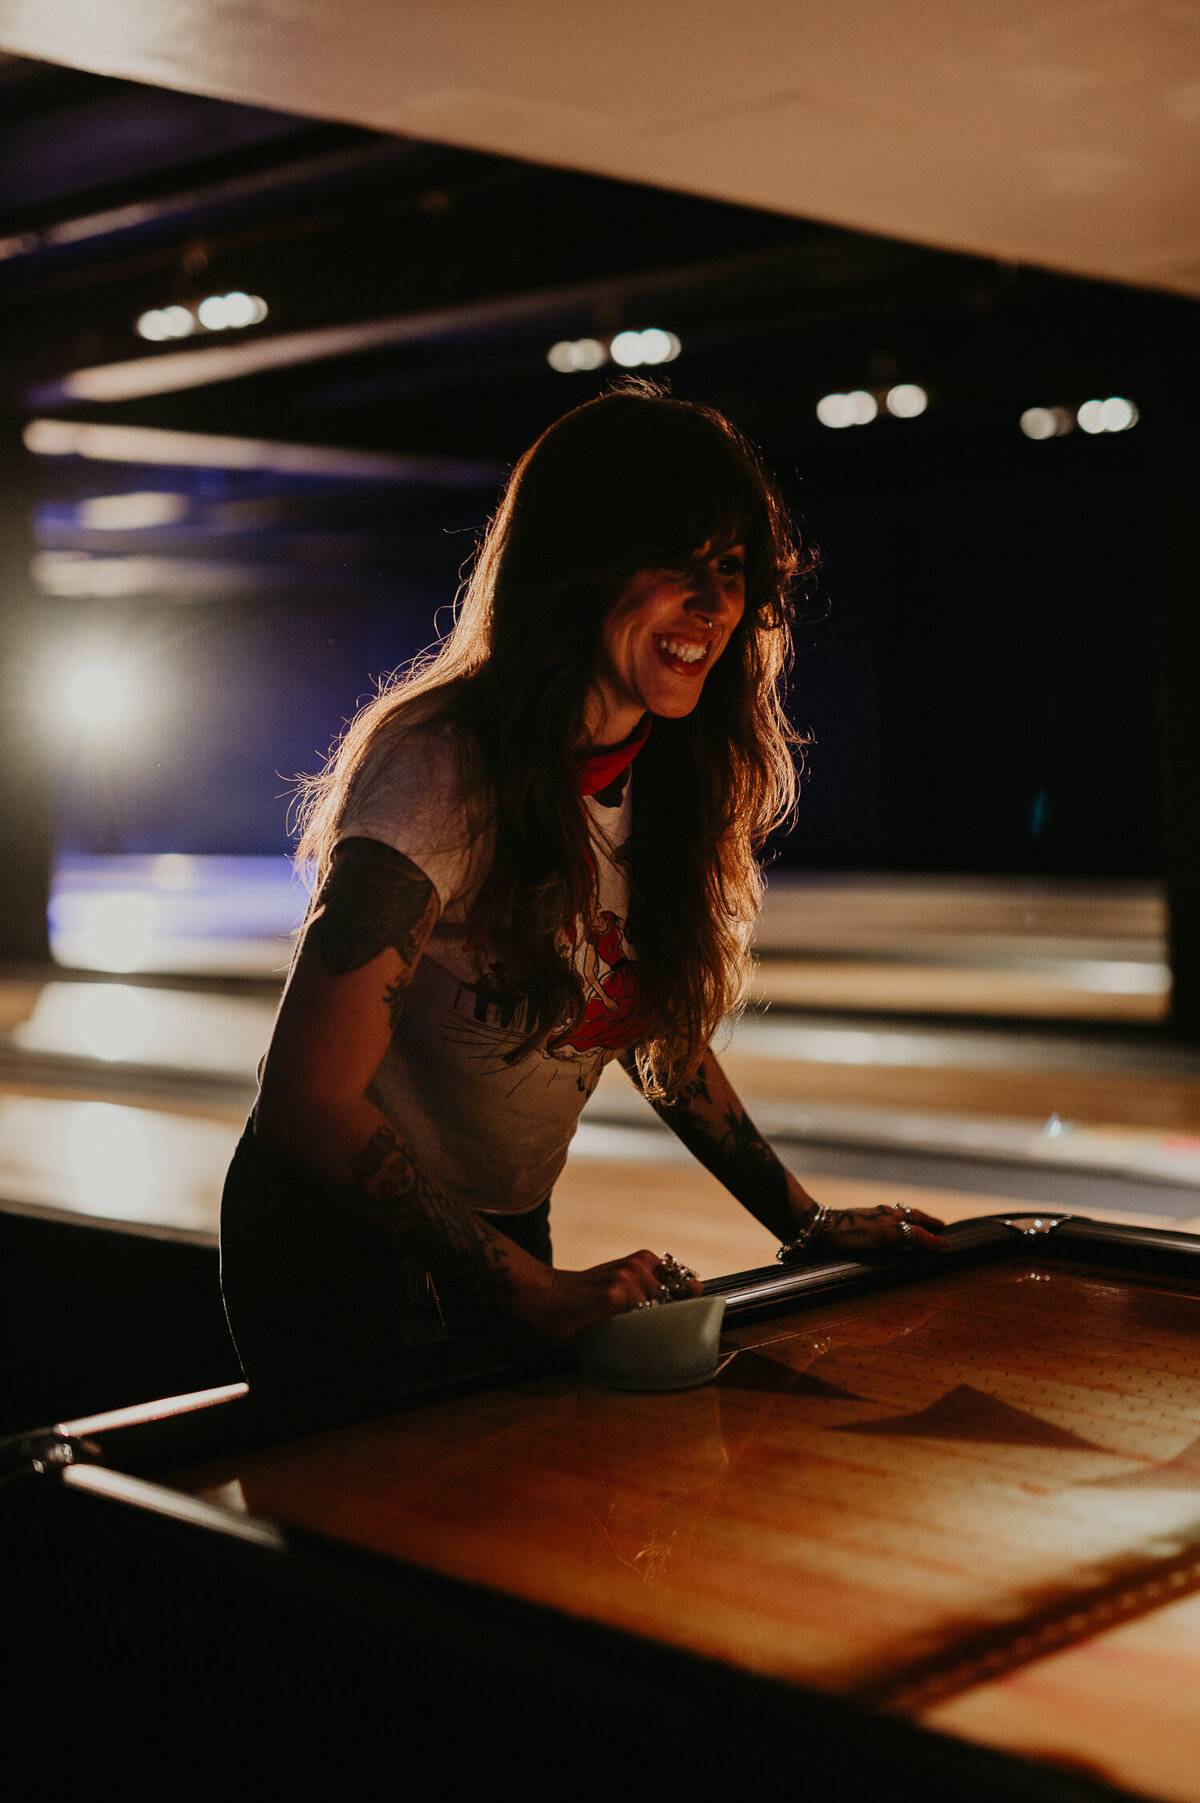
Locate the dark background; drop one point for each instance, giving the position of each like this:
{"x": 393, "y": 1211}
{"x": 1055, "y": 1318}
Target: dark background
{"x": 978, "y": 661}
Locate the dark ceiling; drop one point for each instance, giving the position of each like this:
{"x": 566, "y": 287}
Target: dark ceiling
{"x": 116, "y": 198}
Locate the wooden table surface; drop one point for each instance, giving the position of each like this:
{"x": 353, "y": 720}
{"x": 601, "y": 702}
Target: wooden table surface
{"x": 976, "y": 1500}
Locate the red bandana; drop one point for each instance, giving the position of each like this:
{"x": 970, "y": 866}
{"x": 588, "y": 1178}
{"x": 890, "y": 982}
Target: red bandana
{"x": 604, "y": 765}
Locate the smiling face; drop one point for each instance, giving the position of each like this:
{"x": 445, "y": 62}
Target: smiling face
{"x": 663, "y": 634}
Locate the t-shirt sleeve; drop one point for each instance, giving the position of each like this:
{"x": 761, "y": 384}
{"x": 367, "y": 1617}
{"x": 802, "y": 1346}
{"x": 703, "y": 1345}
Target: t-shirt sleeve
{"x": 410, "y": 796}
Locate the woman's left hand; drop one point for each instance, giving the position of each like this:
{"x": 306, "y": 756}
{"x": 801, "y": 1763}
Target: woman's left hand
{"x": 862, "y": 1231}
{"x": 884, "y": 1229}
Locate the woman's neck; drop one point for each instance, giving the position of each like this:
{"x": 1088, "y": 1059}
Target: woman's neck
{"x": 607, "y": 723}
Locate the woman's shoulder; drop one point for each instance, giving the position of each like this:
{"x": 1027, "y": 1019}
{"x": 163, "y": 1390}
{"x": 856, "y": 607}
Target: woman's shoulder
{"x": 421, "y": 749}
{"x": 419, "y": 788}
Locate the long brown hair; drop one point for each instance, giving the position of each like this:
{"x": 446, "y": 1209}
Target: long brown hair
{"x": 632, "y": 481}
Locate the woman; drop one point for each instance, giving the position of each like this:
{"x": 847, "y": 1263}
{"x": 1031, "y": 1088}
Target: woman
{"x": 534, "y": 852}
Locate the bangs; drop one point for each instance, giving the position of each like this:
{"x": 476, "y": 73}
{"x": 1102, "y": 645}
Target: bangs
{"x": 635, "y": 482}
{"x": 674, "y": 500}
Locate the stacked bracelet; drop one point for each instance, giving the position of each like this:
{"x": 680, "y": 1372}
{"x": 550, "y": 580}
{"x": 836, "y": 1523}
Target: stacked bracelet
{"x": 796, "y": 1248}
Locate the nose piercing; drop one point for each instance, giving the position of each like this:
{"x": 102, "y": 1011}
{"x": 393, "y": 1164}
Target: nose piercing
{"x": 704, "y": 621}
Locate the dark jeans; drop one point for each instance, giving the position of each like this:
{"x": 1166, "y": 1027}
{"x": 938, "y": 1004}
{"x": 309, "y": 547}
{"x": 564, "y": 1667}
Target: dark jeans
{"x": 318, "y": 1299}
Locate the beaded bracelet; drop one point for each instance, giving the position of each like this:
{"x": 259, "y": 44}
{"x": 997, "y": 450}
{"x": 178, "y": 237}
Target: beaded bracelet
{"x": 796, "y": 1248}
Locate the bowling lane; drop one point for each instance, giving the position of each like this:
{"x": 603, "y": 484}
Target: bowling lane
{"x": 1084, "y": 949}
{"x": 1046, "y": 989}
{"x": 606, "y": 1206}
{"x": 121, "y": 1102}
{"x": 1020, "y": 947}
{"x": 157, "y": 1168}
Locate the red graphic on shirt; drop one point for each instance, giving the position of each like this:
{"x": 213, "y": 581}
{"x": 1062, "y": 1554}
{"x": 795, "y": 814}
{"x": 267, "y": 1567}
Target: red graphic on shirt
{"x": 616, "y": 1015}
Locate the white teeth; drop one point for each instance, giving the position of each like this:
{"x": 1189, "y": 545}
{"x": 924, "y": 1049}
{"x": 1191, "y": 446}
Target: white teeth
{"x": 686, "y": 652}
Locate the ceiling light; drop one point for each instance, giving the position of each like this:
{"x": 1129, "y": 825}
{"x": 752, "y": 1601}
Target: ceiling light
{"x": 166, "y": 322}
{"x": 659, "y": 346}
{"x": 1113, "y": 415}
{"x": 630, "y": 349}
{"x": 833, "y": 410}
{"x": 1046, "y": 422}
{"x": 90, "y": 690}
{"x": 626, "y": 349}
{"x": 906, "y": 400}
{"x": 125, "y": 513}
{"x": 216, "y": 313}
{"x": 571, "y": 354}
{"x": 226, "y": 312}
{"x": 858, "y": 408}
{"x": 1119, "y": 414}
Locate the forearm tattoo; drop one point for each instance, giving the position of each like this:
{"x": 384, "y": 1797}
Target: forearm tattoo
{"x": 726, "y": 1142}
{"x": 390, "y": 1189}
{"x": 394, "y": 996}
{"x": 373, "y": 898}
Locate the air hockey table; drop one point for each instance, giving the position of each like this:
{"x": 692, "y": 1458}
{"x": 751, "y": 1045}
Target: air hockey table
{"x": 936, "y": 1523}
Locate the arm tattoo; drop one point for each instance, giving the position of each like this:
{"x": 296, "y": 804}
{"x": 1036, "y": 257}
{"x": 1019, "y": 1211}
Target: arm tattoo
{"x": 727, "y": 1143}
{"x": 391, "y": 1190}
{"x": 373, "y": 898}
{"x": 394, "y": 996}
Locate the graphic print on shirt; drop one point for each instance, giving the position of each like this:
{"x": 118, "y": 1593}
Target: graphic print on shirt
{"x": 614, "y": 1014}
{"x": 490, "y": 1010}
{"x": 612, "y": 983}
{"x": 497, "y": 1003}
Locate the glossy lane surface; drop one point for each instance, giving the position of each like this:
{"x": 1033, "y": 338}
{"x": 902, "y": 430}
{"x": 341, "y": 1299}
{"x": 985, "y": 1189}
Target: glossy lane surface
{"x": 874, "y": 1490}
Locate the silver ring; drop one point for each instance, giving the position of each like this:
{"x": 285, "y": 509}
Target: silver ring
{"x": 906, "y": 1230}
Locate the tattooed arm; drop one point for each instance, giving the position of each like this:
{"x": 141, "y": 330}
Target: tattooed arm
{"x": 362, "y": 944}
{"x": 708, "y": 1117}
{"x": 710, "y": 1120}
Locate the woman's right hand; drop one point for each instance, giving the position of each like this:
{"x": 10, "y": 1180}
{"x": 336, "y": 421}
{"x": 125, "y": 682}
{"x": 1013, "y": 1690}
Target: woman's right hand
{"x": 569, "y": 1301}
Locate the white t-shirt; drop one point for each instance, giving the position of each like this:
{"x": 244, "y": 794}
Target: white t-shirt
{"x": 490, "y": 1128}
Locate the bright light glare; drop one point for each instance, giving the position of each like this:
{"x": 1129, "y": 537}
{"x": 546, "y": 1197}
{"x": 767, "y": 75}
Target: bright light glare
{"x": 124, "y": 513}
{"x": 1039, "y": 422}
{"x": 630, "y": 349}
{"x": 833, "y": 410}
{"x": 626, "y": 349}
{"x": 50, "y": 437}
{"x": 223, "y": 312}
{"x": 216, "y": 313}
{"x": 95, "y": 578}
{"x": 906, "y": 400}
{"x": 858, "y": 408}
{"x": 212, "y": 314}
{"x": 90, "y": 693}
{"x": 97, "y": 694}
{"x": 1113, "y": 415}
{"x": 571, "y": 354}
{"x": 174, "y": 870}
{"x": 1119, "y": 414}
{"x": 112, "y": 1021}
{"x": 166, "y": 322}
{"x": 1047, "y": 422}
{"x": 659, "y": 346}
{"x": 177, "y": 322}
